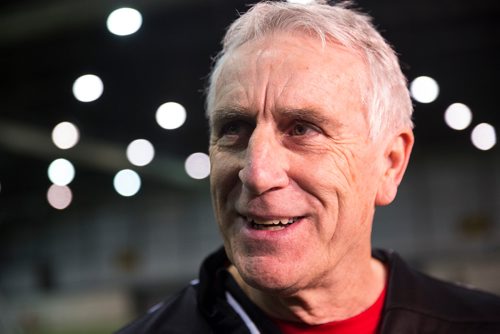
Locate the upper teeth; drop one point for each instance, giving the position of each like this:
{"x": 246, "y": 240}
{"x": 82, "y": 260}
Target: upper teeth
{"x": 282, "y": 221}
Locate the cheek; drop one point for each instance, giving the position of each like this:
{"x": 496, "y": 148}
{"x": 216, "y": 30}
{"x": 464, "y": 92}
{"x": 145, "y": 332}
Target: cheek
{"x": 223, "y": 177}
{"x": 349, "y": 169}
{"x": 340, "y": 180}
{"x": 325, "y": 175}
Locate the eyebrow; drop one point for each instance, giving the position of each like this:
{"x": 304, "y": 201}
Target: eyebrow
{"x": 236, "y": 112}
{"x": 304, "y": 114}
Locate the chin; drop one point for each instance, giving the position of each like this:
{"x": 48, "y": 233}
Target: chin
{"x": 269, "y": 274}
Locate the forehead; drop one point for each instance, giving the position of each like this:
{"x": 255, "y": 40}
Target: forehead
{"x": 283, "y": 70}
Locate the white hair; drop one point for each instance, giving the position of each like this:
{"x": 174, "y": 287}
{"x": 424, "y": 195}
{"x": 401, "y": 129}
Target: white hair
{"x": 387, "y": 98}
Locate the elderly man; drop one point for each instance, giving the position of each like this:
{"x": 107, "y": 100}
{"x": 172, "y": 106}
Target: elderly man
{"x": 311, "y": 129}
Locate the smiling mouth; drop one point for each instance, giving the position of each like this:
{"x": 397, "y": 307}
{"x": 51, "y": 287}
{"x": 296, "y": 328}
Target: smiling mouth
{"x": 273, "y": 224}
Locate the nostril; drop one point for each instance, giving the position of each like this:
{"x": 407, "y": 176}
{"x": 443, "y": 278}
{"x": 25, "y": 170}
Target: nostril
{"x": 258, "y": 181}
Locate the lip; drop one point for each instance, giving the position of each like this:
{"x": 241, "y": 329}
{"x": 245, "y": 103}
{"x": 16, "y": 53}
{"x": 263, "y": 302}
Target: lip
{"x": 258, "y": 219}
{"x": 271, "y": 235}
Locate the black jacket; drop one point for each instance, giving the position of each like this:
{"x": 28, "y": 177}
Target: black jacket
{"x": 415, "y": 303}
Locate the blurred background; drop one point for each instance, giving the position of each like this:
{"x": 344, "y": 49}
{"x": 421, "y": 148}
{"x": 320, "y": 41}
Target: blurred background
{"x": 104, "y": 199}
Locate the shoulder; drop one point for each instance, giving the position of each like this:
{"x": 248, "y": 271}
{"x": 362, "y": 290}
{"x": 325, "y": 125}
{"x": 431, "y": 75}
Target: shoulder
{"x": 415, "y": 296}
{"x": 453, "y": 301}
{"x": 176, "y": 315}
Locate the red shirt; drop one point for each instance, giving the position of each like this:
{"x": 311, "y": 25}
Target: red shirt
{"x": 366, "y": 322}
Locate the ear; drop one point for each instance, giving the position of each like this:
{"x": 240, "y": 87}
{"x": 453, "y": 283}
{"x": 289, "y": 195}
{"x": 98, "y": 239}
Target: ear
{"x": 396, "y": 155}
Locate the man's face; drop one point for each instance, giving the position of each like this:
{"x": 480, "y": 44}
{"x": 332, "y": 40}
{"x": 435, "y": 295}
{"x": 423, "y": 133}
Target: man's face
{"x": 294, "y": 173}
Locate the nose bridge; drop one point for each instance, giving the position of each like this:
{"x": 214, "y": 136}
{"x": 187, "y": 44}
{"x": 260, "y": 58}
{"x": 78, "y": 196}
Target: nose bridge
{"x": 264, "y": 167}
{"x": 260, "y": 145}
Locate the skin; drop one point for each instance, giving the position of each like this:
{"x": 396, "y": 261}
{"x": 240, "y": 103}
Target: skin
{"x": 290, "y": 138}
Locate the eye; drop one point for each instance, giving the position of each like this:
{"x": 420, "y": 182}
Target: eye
{"x": 233, "y": 133}
{"x": 232, "y": 128}
{"x": 302, "y": 129}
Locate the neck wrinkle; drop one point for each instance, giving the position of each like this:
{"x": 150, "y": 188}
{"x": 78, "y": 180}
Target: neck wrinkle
{"x": 341, "y": 299}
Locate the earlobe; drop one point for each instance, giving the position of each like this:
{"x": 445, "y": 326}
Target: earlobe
{"x": 396, "y": 156}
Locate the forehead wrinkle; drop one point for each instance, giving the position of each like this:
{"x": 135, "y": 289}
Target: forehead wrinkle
{"x": 270, "y": 69}
{"x": 262, "y": 60}
{"x": 282, "y": 90}
{"x": 264, "y": 64}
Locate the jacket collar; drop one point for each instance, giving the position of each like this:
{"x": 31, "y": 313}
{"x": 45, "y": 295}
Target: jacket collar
{"x": 408, "y": 292}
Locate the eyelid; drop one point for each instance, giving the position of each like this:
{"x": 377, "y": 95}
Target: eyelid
{"x": 225, "y": 125}
{"x": 307, "y": 124}
{"x": 233, "y": 133}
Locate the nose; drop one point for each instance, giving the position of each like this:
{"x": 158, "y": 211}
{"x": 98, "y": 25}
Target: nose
{"x": 265, "y": 165}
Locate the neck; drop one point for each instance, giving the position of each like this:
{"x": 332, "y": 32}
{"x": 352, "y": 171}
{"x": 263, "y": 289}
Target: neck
{"x": 350, "y": 289}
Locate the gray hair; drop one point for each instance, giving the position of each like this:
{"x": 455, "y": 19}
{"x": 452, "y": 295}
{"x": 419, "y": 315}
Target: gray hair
{"x": 387, "y": 98}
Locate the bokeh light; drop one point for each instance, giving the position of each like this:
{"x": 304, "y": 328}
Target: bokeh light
{"x": 197, "y": 165}
{"x": 59, "y": 197}
{"x": 483, "y": 136}
{"x": 88, "y": 88}
{"x": 458, "y": 116}
{"x": 140, "y": 152}
{"x": 424, "y": 89}
{"x": 61, "y": 172}
{"x": 127, "y": 182}
{"x": 65, "y": 135}
{"x": 171, "y": 115}
{"x": 124, "y": 21}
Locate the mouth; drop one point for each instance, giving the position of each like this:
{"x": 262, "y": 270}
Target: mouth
{"x": 271, "y": 224}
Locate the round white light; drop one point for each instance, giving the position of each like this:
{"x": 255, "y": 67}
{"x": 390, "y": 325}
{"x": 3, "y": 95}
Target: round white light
{"x": 124, "y": 21}
{"x": 197, "y": 165}
{"x": 88, "y": 88}
{"x": 127, "y": 182}
{"x": 458, "y": 116}
{"x": 484, "y": 136}
{"x": 61, "y": 172}
{"x": 171, "y": 115}
{"x": 140, "y": 152}
{"x": 65, "y": 135}
{"x": 424, "y": 89}
{"x": 59, "y": 197}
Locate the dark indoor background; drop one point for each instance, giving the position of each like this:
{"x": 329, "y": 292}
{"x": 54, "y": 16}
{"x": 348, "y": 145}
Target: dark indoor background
{"x": 105, "y": 258}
